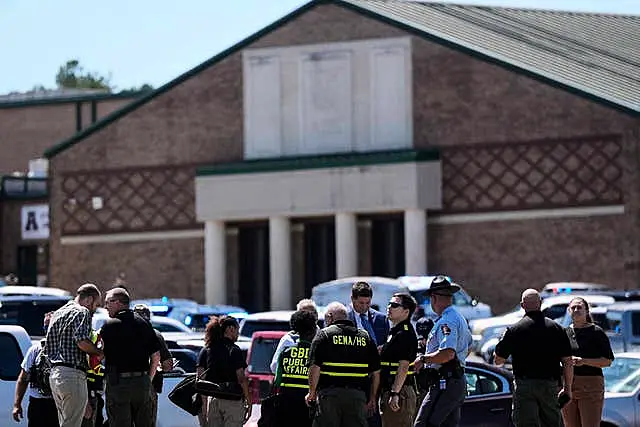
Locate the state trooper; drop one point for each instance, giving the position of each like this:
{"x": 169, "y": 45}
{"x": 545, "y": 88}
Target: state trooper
{"x": 341, "y": 360}
{"x": 448, "y": 345}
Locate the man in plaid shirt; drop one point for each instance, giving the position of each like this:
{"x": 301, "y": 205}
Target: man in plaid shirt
{"x": 67, "y": 344}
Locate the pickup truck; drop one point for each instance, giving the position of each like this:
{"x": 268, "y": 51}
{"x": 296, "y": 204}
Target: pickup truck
{"x": 623, "y": 326}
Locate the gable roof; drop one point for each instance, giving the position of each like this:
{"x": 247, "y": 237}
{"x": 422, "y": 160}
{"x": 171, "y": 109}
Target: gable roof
{"x": 596, "y": 56}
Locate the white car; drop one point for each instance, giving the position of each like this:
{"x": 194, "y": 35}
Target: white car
{"x": 468, "y": 307}
{"x": 15, "y": 290}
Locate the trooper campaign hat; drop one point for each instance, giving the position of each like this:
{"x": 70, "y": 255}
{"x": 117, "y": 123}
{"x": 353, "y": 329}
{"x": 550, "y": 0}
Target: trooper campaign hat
{"x": 442, "y": 285}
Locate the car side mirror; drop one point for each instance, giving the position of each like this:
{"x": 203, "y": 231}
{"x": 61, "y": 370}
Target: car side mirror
{"x": 474, "y": 302}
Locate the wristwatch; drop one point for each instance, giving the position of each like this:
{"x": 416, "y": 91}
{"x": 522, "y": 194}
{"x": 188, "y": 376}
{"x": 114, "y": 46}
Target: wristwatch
{"x": 423, "y": 358}
{"x": 394, "y": 393}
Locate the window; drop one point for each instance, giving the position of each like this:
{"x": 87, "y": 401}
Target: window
{"x": 250, "y": 326}
{"x": 10, "y": 357}
{"x": 555, "y": 311}
{"x": 165, "y": 327}
{"x": 635, "y": 323}
{"x": 481, "y": 383}
{"x": 262, "y": 350}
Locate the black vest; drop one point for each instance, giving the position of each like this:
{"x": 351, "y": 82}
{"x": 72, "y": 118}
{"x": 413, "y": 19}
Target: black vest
{"x": 294, "y": 367}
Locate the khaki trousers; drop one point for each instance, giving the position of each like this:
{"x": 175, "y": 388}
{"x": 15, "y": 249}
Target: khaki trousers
{"x": 585, "y": 407}
{"x": 69, "y": 390}
{"x": 405, "y": 416}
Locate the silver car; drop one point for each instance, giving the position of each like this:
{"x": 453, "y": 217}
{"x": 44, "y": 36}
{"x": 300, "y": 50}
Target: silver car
{"x": 622, "y": 392}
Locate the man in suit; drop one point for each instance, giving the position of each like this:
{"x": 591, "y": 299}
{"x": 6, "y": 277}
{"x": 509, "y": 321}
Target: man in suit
{"x": 365, "y": 317}
{"x": 372, "y": 321}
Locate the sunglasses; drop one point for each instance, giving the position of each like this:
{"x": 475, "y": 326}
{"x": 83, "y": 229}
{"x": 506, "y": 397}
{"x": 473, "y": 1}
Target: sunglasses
{"x": 394, "y": 305}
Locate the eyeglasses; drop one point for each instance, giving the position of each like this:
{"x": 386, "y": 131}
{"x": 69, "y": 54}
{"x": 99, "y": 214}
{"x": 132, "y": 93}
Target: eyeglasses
{"x": 394, "y": 305}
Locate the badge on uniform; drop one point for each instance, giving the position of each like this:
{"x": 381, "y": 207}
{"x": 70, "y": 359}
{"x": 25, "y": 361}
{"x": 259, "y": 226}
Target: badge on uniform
{"x": 443, "y": 384}
{"x": 445, "y": 329}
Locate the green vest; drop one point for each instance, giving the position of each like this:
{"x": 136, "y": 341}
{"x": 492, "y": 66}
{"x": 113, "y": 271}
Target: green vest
{"x": 293, "y": 365}
{"x": 95, "y": 373}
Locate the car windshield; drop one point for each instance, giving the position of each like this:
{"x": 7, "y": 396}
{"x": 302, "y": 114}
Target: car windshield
{"x": 262, "y": 350}
{"x": 28, "y": 314}
{"x": 248, "y": 327}
{"x": 623, "y": 375}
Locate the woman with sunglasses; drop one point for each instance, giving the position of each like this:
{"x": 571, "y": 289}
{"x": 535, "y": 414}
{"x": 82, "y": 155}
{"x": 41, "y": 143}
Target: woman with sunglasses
{"x": 398, "y": 399}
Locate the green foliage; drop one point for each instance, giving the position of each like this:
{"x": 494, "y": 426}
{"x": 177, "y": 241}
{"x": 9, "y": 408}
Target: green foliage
{"x": 72, "y": 76}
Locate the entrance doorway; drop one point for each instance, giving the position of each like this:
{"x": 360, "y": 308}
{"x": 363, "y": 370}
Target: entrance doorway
{"x": 253, "y": 266}
{"x": 387, "y": 246}
{"x": 319, "y": 253}
{"x": 27, "y": 265}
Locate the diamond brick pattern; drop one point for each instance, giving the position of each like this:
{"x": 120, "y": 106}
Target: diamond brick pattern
{"x": 133, "y": 200}
{"x": 532, "y": 175}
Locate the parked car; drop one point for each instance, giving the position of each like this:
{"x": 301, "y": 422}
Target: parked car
{"x": 15, "y": 290}
{"x": 162, "y": 324}
{"x": 470, "y": 308}
{"x": 263, "y": 346}
{"x": 488, "y": 401}
{"x": 28, "y": 311}
{"x": 265, "y": 321}
{"x": 623, "y": 326}
{"x": 163, "y": 306}
{"x": 340, "y": 290}
{"x": 14, "y": 342}
{"x": 622, "y": 391}
{"x": 197, "y": 317}
{"x": 558, "y": 288}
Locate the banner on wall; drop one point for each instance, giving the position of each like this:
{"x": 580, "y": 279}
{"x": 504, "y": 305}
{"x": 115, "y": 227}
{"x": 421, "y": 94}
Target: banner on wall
{"x": 35, "y": 222}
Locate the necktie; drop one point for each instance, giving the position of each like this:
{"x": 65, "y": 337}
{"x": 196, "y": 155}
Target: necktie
{"x": 367, "y": 327}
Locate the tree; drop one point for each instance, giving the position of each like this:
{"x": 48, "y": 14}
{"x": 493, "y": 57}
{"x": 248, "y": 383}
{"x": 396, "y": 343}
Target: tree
{"x": 72, "y": 76}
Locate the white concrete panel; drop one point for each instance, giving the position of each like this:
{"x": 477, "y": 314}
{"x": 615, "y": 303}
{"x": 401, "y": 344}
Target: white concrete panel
{"x": 376, "y": 188}
{"x": 307, "y": 126}
{"x": 263, "y": 107}
{"x": 390, "y": 101}
{"x": 326, "y": 102}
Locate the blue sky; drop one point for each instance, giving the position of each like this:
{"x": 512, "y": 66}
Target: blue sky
{"x": 154, "y": 41}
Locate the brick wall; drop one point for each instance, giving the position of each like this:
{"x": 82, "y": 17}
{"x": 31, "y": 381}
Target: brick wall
{"x": 457, "y": 100}
{"x": 26, "y": 132}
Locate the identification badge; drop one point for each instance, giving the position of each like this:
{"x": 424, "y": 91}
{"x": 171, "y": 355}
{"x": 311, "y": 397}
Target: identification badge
{"x": 443, "y": 384}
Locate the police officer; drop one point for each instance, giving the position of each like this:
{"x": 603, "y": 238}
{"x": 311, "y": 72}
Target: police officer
{"x": 292, "y": 372}
{"x": 397, "y": 381}
{"x": 341, "y": 359}
{"x": 447, "y": 348}
{"x": 129, "y": 345}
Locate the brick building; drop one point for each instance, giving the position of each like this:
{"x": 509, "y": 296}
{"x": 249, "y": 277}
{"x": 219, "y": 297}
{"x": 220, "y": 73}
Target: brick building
{"x": 30, "y": 124}
{"x": 367, "y": 137}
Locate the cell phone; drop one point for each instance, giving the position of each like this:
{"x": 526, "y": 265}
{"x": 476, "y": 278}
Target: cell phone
{"x": 563, "y": 399}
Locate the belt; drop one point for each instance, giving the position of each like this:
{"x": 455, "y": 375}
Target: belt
{"x": 132, "y": 374}
{"x": 69, "y": 365}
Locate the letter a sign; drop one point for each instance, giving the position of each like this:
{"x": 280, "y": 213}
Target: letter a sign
{"x": 35, "y": 222}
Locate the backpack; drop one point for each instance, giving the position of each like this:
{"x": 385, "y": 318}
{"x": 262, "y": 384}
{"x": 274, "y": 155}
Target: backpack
{"x": 39, "y": 374}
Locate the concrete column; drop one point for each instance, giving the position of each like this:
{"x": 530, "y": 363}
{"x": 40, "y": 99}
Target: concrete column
{"x": 415, "y": 242}
{"x": 346, "y": 245}
{"x": 215, "y": 262}
{"x": 280, "y": 262}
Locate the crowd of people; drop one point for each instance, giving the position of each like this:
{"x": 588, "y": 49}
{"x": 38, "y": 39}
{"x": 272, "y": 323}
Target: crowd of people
{"x": 361, "y": 368}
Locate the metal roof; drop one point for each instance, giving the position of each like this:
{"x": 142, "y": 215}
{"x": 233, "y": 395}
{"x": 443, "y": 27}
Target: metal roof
{"x": 598, "y": 54}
